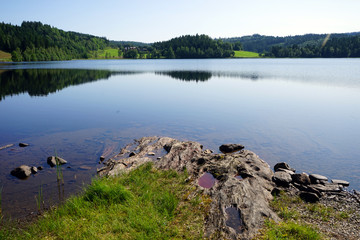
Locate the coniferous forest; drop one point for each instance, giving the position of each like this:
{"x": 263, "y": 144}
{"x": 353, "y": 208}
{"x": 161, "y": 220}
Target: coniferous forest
{"x": 34, "y": 41}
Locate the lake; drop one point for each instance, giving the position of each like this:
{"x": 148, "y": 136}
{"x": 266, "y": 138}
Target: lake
{"x": 301, "y": 111}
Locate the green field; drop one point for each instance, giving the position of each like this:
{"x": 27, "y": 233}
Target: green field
{"x": 246, "y": 54}
{"x": 4, "y": 56}
{"x": 106, "y": 53}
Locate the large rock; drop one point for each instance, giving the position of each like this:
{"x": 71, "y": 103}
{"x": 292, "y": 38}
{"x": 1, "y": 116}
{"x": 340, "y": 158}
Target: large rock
{"x": 309, "y": 197}
{"x": 21, "y": 172}
{"x": 243, "y": 182}
{"x": 52, "y": 161}
{"x": 231, "y": 148}
{"x": 282, "y": 179}
{"x": 301, "y": 178}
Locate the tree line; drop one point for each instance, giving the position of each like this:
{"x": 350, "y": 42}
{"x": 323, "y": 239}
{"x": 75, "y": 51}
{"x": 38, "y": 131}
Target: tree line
{"x": 34, "y": 41}
{"x": 334, "y": 48}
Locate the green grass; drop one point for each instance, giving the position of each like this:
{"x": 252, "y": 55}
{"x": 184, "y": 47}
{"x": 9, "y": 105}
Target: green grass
{"x": 289, "y": 230}
{"x": 110, "y": 52}
{"x": 4, "y": 56}
{"x": 246, "y": 54}
{"x": 143, "y": 204}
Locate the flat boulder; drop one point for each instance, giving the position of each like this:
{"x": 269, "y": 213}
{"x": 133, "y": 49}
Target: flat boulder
{"x": 282, "y": 179}
{"x": 317, "y": 178}
{"x": 21, "y": 172}
{"x": 340, "y": 182}
{"x": 52, "y": 161}
{"x": 231, "y": 148}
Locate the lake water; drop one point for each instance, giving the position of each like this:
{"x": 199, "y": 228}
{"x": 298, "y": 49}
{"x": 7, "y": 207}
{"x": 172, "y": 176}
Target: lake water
{"x": 301, "y": 111}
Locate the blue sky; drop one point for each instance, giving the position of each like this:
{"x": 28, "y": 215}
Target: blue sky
{"x": 159, "y": 20}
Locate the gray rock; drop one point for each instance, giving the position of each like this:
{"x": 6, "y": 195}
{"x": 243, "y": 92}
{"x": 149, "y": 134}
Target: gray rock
{"x": 231, "y": 148}
{"x": 132, "y": 154}
{"x": 23, "y": 144}
{"x": 40, "y": 168}
{"x": 102, "y": 158}
{"x": 34, "y": 170}
{"x": 250, "y": 196}
{"x": 317, "y": 178}
{"x": 285, "y": 170}
{"x": 330, "y": 187}
{"x": 151, "y": 153}
{"x": 301, "y": 178}
{"x": 52, "y": 161}
{"x": 282, "y": 179}
{"x": 283, "y": 165}
{"x": 340, "y": 182}
{"x": 309, "y": 197}
{"x": 21, "y": 172}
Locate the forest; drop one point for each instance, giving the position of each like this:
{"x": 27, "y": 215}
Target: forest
{"x": 334, "y": 48}
{"x": 34, "y": 41}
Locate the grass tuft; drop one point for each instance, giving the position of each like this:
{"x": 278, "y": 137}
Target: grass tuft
{"x": 246, "y": 54}
{"x": 145, "y": 203}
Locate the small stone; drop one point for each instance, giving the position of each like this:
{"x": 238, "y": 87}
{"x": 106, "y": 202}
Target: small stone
{"x": 340, "y": 182}
{"x": 283, "y": 165}
{"x": 158, "y": 158}
{"x": 52, "y": 161}
{"x": 151, "y": 153}
{"x": 208, "y": 151}
{"x": 34, "y": 170}
{"x": 309, "y": 197}
{"x": 132, "y": 154}
{"x": 23, "y": 144}
{"x": 40, "y": 168}
{"x": 230, "y": 148}
{"x": 301, "y": 178}
{"x": 102, "y": 158}
{"x": 317, "y": 178}
{"x": 282, "y": 179}
{"x": 21, "y": 172}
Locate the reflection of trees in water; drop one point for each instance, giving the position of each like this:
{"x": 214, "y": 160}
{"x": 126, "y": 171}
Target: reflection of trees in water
{"x": 202, "y": 76}
{"x": 41, "y": 82}
{"x": 198, "y": 76}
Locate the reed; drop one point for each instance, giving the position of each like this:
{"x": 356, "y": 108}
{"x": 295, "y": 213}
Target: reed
{"x": 40, "y": 199}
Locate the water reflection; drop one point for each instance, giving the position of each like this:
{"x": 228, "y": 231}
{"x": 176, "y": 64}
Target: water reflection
{"x": 197, "y": 76}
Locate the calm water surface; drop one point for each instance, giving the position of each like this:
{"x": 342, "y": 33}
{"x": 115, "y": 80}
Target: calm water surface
{"x": 302, "y": 111}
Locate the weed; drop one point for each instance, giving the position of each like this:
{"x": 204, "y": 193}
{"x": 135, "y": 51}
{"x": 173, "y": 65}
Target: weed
{"x": 40, "y": 199}
{"x": 289, "y": 230}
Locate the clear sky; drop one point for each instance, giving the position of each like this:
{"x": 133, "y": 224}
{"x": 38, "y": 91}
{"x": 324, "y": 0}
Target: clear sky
{"x": 158, "y": 20}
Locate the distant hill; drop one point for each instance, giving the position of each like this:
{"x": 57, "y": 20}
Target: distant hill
{"x": 261, "y": 44}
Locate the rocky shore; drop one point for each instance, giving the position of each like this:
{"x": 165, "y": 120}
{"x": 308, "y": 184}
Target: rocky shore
{"x": 239, "y": 183}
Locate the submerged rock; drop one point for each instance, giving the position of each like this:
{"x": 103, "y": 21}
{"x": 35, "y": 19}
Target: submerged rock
{"x": 231, "y": 148}
{"x": 21, "y": 172}
{"x": 23, "y": 144}
{"x": 52, "y": 161}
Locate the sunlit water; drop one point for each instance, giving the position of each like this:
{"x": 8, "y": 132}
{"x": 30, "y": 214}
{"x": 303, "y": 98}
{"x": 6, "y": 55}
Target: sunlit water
{"x": 302, "y": 111}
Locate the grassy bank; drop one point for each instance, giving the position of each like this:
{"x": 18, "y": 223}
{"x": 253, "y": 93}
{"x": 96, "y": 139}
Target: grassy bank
{"x": 5, "y": 57}
{"x": 246, "y": 54}
{"x": 105, "y": 53}
{"x": 144, "y": 204}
